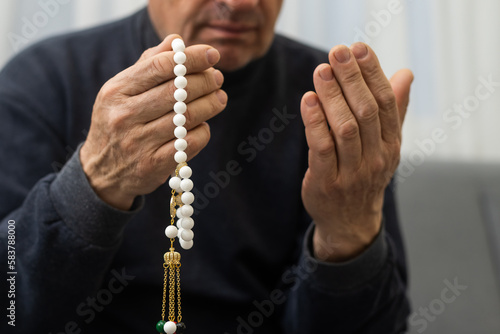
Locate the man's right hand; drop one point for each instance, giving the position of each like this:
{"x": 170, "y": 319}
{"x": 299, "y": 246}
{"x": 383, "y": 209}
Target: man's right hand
{"x": 130, "y": 146}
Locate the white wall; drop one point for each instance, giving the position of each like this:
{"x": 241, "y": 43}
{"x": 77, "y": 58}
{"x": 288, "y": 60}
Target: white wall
{"x": 23, "y": 22}
{"x": 448, "y": 44}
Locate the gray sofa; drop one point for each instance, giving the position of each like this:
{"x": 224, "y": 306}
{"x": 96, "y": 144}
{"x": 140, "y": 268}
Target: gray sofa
{"x": 450, "y": 214}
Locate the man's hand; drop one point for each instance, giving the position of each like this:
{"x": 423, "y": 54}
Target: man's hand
{"x": 130, "y": 147}
{"x": 353, "y": 128}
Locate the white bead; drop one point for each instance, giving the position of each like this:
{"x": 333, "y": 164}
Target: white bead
{"x": 180, "y": 145}
{"x": 179, "y": 120}
{"x": 185, "y": 172}
{"x": 186, "y": 223}
{"x": 170, "y": 327}
{"x": 187, "y": 197}
{"x": 180, "y": 57}
{"x": 187, "y": 210}
{"x": 180, "y": 132}
{"x": 180, "y": 70}
{"x": 180, "y": 157}
{"x": 174, "y": 182}
{"x": 186, "y": 235}
{"x": 180, "y": 82}
{"x": 179, "y": 223}
{"x": 180, "y": 95}
{"x": 187, "y": 185}
{"x": 178, "y": 45}
{"x": 179, "y": 214}
{"x": 186, "y": 244}
{"x": 171, "y": 231}
{"x": 180, "y": 107}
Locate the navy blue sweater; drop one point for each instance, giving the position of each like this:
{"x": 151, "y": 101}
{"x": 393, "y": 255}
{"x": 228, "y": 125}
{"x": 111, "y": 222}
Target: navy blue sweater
{"x": 84, "y": 267}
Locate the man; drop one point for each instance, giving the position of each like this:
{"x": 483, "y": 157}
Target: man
{"x": 294, "y": 233}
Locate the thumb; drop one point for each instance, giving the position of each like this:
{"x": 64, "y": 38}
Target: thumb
{"x": 401, "y": 82}
{"x": 165, "y": 45}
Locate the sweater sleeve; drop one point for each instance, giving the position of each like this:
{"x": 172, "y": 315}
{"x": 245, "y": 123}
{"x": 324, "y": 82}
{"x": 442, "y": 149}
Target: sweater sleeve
{"x": 364, "y": 295}
{"x": 65, "y": 239}
{"x": 62, "y": 236}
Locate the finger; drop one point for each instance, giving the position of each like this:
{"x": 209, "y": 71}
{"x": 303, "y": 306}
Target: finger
{"x": 400, "y": 83}
{"x": 158, "y": 69}
{"x": 358, "y": 96}
{"x": 322, "y": 155}
{"x": 197, "y": 139}
{"x": 381, "y": 89}
{"x": 160, "y": 100}
{"x": 340, "y": 118}
{"x": 160, "y": 131}
{"x": 201, "y": 110}
{"x": 165, "y": 45}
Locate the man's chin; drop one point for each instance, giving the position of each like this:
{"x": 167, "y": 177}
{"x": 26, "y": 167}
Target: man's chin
{"x": 232, "y": 60}
{"x": 230, "y": 66}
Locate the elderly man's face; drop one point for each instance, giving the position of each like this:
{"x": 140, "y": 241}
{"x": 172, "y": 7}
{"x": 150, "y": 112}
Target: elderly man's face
{"x": 242, "y": 30}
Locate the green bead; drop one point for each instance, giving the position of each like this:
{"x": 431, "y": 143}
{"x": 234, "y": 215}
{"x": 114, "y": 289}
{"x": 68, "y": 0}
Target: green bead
{"x": 159, "y": 326}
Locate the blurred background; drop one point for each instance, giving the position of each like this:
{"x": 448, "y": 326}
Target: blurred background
{"x": 449, "y": 179}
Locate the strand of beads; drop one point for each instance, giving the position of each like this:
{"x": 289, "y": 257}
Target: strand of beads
{"x": 181, "y": 207}
{"x": 181, "y": 182}
{"x": 180, "y": 203}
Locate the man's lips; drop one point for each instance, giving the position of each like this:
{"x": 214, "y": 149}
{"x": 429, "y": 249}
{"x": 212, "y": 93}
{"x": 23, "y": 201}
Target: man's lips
{"x": 231, "y": 29}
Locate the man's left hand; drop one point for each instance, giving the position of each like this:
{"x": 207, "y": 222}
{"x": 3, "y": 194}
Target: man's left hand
{"x": 353, "y": 128}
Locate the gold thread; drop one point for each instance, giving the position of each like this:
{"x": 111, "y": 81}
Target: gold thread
{"x": 164, "y": 291}
{"x": 173, "y": 209}
{"x": 179, "y": 313}
{"x": 171, "y": 294}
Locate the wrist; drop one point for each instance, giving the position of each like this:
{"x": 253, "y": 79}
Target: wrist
{"x": 113, "y": 197}
{"x": 343, "y": 242}
{"x": 107, "y": 191}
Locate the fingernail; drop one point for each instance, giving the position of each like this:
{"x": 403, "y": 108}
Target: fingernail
{"x": 222, "y": 96}
{"x": 343, "y": 55}
{"x": 219, "y": 78}
{"x": 311, "y": 100}
{"x": 326, "y": 73}
{"x": 359, "y": 50}
{"x": 212, "y": 56}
